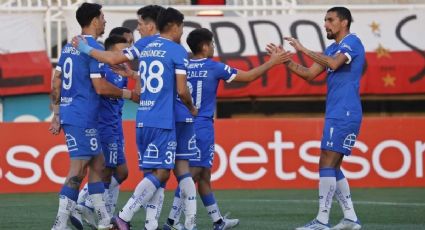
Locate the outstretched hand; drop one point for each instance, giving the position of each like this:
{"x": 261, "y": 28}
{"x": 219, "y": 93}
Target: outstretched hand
{"x": 278, "y": 54}
{"x": 271, "y": 47}
{"x": 80, "y": 43}
{"x": 123, "y": 70}
{"x": 294, "y": 43}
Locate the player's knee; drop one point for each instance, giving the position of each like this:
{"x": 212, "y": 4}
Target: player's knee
{"x": 162, "y": 174}
{"x": 196, "y": 177}
{"x": 329, "y": 159}
{"x": 204, "y": 181}
{"x": 107, "y": 174}
{"x": 74, "y": 181}
{"x": 196, "y": 173}
{"x": 79, "y": 172}
{"x": 206, "y": 175}
{"x": 97, "y": 166}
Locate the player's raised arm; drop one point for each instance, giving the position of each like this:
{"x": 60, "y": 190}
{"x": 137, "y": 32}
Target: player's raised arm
{"x": 306, "y": 73}
{"x": 109, "y": 57}
{"x": 276, "y": 57}
{"x": 332, "y": 62}
{"x": 104, "y": 88}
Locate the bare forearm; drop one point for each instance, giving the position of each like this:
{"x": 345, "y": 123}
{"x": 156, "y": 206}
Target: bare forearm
{"x": 55, "y": 93}
{"x": 56, "y": 87}
{"x": 319, "y": 58}
{"x": 300, "y": 70}
{"x": 107, "y": 89}
{"x": 137, "y": 91}
{"x": 255, "y": 73}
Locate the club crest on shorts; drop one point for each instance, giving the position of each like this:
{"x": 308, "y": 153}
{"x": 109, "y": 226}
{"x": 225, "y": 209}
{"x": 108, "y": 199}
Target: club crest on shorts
{"x": 349, "y": 141}
{"x": 152, "y": 151}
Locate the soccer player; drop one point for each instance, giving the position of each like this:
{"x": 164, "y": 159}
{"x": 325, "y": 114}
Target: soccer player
{"x": 111, "y": 139}
{"x": 75, "y": 106}
{"x": 116, "y": 171}
{"x": 343, "y": 61}
{"x": 186, "y": 150}
{"x": 163, "y": 71}
{"x": 110, "y": 129}
{"x": 204, "y": 75}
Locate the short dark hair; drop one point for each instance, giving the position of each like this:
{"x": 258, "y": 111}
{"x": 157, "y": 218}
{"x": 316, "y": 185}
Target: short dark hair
{"x": 197, "y": 38}
{"x": 87, "y": 12}
{"x": 119, "y": 31}
{"x": 150, "y": 12}
{"x": 343, "y": 14}
{"x": 168, "y": 16}
{"x": 114, "y": 39}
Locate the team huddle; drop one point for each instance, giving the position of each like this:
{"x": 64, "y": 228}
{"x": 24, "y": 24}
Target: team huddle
{"x": 176, "y": 97}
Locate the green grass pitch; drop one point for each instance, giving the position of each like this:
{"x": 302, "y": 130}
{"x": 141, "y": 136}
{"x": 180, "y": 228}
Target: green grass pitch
{"x": 398, "y": 208}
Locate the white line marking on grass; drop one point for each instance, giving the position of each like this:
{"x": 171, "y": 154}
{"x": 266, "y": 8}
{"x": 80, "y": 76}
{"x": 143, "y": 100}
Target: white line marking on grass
{"x": 382, "y": 203}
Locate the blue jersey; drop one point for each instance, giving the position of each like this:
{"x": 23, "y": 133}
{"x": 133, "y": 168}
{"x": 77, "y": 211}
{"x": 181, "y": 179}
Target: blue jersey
{"x": 182, "y": 112}
{"x": 343, "y": 98}
{"x": 111, "y": 108}
{"x": 79, "y": 101}
{"x": 159, "y": 63}
{"x": 134, "y": 51}
{"x": 203, "y": 77}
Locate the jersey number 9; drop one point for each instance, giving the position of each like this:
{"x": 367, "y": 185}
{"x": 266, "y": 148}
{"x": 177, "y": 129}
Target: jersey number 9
{"x": 67, "y": 74}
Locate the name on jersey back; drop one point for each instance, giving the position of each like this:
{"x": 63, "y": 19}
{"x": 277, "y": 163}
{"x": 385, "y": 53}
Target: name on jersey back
{"x": 193, "y": 70}
{"x": 70, "y": 50}
{"x": 153, "y": 53}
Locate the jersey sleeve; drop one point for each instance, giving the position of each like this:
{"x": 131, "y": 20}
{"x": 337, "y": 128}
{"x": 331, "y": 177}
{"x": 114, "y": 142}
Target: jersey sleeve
{"x": 225, "y": 72}
{"x": 350, "y": 48}
{"x": 181, "y": 61}
{"x": 135, "y": 50}
{"x": 132, "y": 52}
{"x": 96, "y": 68}
{"x": 59, "y": 66}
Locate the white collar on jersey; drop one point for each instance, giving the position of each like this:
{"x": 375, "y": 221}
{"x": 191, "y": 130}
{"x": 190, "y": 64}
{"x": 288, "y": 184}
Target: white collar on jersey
{"x": 165, "y": 38}
{"x": 201, "y": 59}
{"x": 345, "y": 37}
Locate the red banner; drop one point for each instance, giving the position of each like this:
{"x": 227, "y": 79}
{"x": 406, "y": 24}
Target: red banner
{"x": 250, "y": 154}
{"x": 25, "y": 73}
